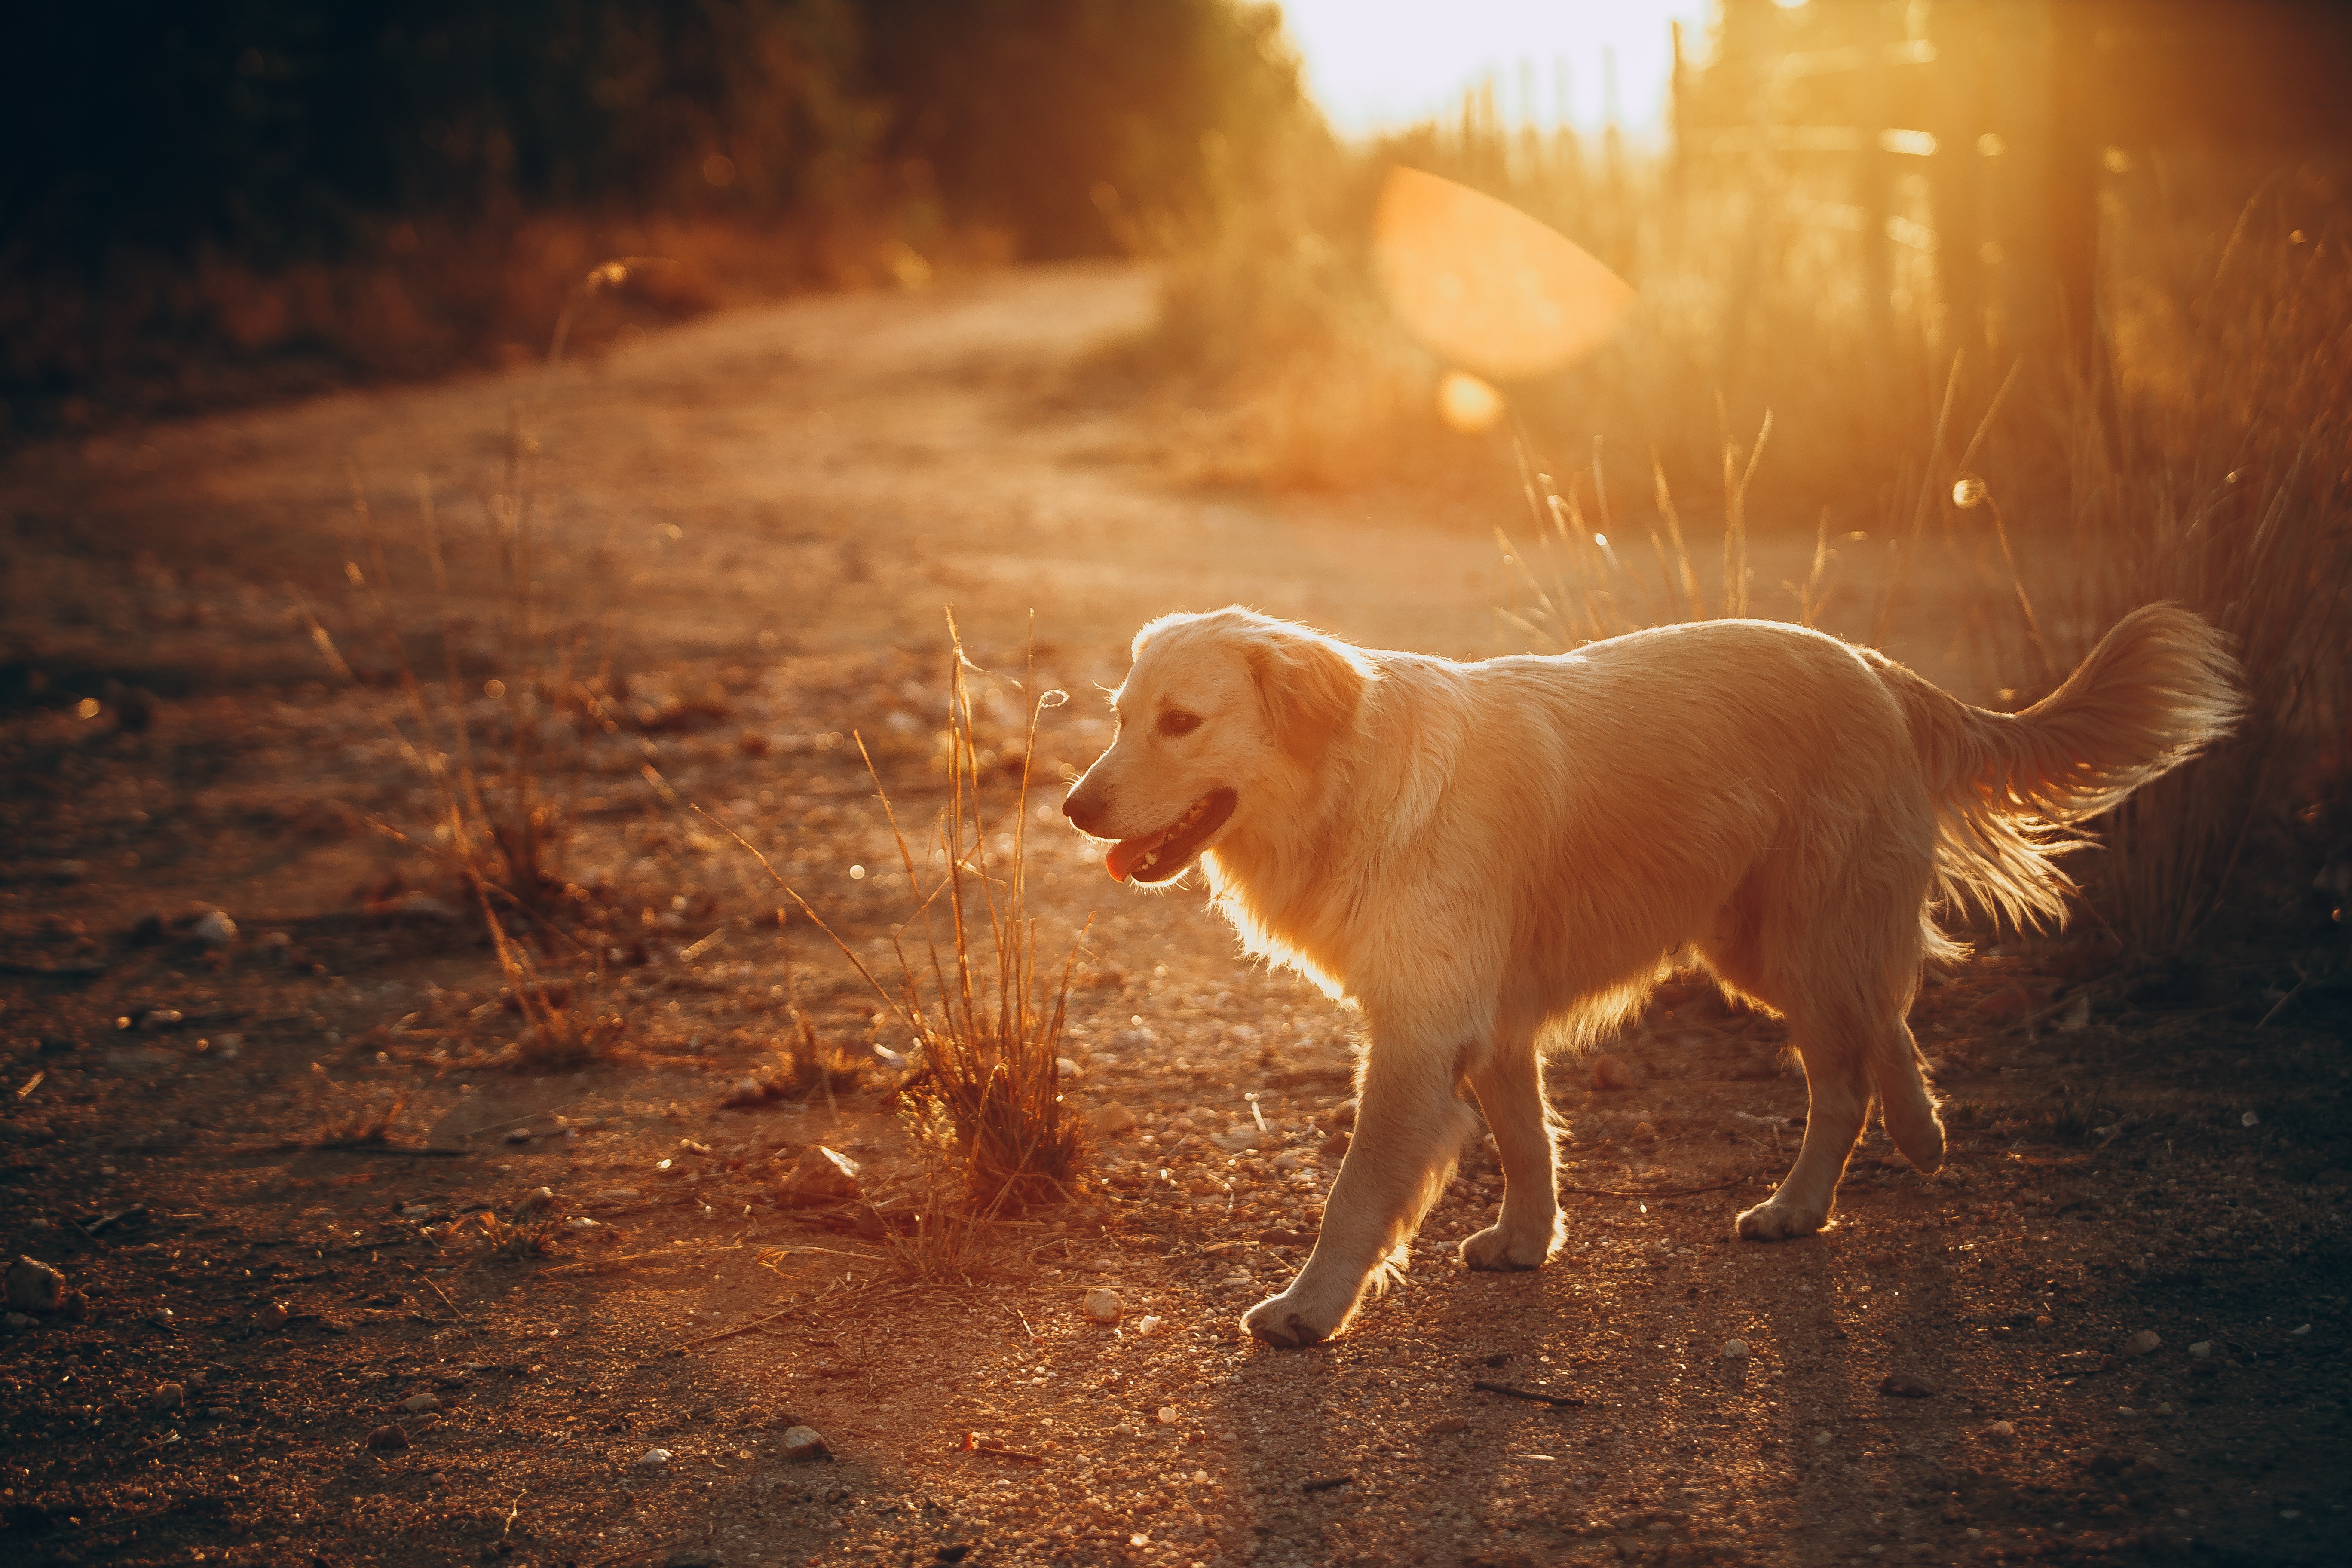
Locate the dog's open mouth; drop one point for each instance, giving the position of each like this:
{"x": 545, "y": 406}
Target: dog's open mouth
{"x": 1156, "y": 856}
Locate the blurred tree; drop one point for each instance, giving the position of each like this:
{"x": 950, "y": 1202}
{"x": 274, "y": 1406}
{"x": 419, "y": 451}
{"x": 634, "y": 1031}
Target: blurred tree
{"x": 271, "y": 129}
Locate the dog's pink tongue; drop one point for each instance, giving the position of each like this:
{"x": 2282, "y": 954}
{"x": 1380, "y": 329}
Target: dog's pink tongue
{"x": 1126, "y": 854}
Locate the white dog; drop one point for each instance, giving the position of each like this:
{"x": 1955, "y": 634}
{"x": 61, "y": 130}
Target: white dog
{"x": 1487, "y": 857}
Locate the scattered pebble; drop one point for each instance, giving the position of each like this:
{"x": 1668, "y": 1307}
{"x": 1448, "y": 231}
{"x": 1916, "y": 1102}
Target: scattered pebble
{"x": 155, "y": 1020}
{"x": 2249, "y": 1119}
{"x": 2201, "y": 1349}
{"x": 2042, "y": 1320}
{"x": 1735, "y": 1350}
{"x": 1102, "y": 1306}
{"x": 1238, "y": 1140}
{"x": 1447, "y": 1425}
{"x": 214, "y": 929}
{"x": 1644, "y": 1133}
{"x": 536, "y": 1199}
{"x": 167, "y": 1396}
{"x": 804, "y": 1443}
{"x": 35, "y": 1286}
{"x": 1167, "y": 1416}
{"x": 273, "y": 1315}
{"x": 2144, "y": 1342}
{"x": 387, "y": 1437}
{"x": 616, "y": 1195}
{"x": 1113, "y": 1118}
{"x": 823, "y": 1175}
{"x": 1879, "y": 1257}
{"x": 2001, "y": 1431}
{"x": 418, "y": 1403}
{"x": 19, "y": 1321}
{"x": 2300, "y": 1332}
{"x": 747, "y": 1091}
{"x": 518, "y": 1135}
{"x": 690, "y": 1557}
{"x": 654, "y": 1459}
{"x": 1147, "y": 1326}
{"x": 1335, "y": 1146}
{"x": 1612, "y": 1071}
{"x": 1903, "y": 1385}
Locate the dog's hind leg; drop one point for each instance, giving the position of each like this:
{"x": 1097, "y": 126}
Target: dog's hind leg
{"x": 1836, "y": 1048}
{"x": 1409, "y": 1125}
{"x": 1509, "y": 1084}
{"x": 1909, "y": 1110}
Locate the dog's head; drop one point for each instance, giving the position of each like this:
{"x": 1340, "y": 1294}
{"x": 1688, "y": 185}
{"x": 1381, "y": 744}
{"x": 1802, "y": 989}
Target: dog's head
{"x": 1217, "y": 711}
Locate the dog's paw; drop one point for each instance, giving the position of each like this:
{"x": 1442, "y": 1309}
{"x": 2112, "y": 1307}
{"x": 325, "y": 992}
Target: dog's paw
{"x": 1287, "y": 1323}
{"x": 1775, "y": 1220}
{"x": 1496, "y": 1248}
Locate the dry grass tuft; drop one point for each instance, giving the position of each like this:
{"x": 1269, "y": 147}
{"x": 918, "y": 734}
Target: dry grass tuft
{"x": 983, "y": 1098}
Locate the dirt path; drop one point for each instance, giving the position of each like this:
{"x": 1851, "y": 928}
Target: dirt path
{"x": 770, "y": 509}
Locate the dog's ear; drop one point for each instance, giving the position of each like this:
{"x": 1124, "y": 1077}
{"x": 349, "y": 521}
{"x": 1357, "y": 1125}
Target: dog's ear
{"x": 1310, "y": 687}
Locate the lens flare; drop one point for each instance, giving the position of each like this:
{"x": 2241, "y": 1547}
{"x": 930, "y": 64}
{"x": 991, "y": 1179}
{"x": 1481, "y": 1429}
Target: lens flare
{"x": 1467, "y": 404}
{"x": 1485, "y": 286}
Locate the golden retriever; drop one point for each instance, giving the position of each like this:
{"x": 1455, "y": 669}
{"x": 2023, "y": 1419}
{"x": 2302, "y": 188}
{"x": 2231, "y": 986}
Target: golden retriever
{"x": 1486, "y": 858}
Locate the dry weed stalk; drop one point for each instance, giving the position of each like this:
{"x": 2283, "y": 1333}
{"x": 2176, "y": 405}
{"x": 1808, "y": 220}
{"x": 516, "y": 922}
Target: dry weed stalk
{"x": 983, "y": 1100}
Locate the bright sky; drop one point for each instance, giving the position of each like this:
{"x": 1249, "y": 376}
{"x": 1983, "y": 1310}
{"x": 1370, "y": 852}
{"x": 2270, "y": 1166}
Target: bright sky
{"x": 1380, "y": 64}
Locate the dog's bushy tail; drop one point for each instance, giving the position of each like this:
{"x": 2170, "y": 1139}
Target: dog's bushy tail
{"x": 2160, "y": 687}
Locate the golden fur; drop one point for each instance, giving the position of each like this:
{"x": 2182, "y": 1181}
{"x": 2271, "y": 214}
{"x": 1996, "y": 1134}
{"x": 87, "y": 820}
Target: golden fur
{"x": 1487, "y": 858}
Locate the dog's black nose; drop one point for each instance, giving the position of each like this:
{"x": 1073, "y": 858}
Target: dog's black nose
{"x": 1083, "y": 814}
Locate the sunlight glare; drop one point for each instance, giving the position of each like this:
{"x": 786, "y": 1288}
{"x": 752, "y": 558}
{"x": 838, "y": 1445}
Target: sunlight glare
{"x": 1485, "y": 286}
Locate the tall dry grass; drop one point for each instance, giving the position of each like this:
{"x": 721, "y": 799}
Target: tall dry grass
{"x": 983, "y": 1007}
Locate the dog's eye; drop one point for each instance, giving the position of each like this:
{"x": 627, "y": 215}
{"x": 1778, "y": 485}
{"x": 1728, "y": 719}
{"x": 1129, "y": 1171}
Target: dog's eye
{"x": 1177, "y": 723}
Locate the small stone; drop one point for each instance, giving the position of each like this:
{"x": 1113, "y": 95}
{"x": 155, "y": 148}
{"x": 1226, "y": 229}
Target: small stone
{"x": 1903, "y": 1385}
{"x": 2201, "y": 1349}
{"x": 1239, "y": 1140}
{"x": 821, "y": 1176}
{"x": 1612, "y": 1071}
{"x": 214, "y": 929}
{"x": 272, "y": 1316}
{"x": 1644, "y": 1133}
{"x": 2144, "y": 1342}
{"x": 535, "y": 1200}
{"x": 2001, "y": 1431}
{"x": 387, "y": 1437}
{"x": 805, "y": 1443}
{"x": 2042, "y": 1320}
{"x": 1335, "y": 1146}
{"x": 747, "y": 1091}
{"x": 690, "y": 1557}
{"x": 418, "y": 1403}
{"x": 1735, "y": 1350}
{"x": 155, "y": 1020}
{"x": 1167, "y": 1416}
{"x": 1113, "y": 1118}
{"x": 616, "y": 1195}
{"x": 2300, "y": 1332}
{"x": 35, "y": 1286}
{"x": 2249, "y": 1119}
{"x": 1879, "y": 1257}
{"x": 518, "y": 1135}
{"x": 1068, "y": 1067}
{"x": 1446, "y": 1426}
{"x": 654, "y": 1459}
{"x": 167, "y": 1396}
{"x": 1102, "y": 1306}
{"x": 1147, "y": 1326}
{"x": 19, "y": 1321}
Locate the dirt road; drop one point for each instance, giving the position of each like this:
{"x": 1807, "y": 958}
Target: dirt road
{"x": 769, "y": 509}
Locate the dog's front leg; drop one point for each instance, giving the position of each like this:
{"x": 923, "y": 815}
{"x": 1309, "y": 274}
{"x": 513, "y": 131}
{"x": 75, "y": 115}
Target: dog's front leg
{"x": 1509, "y": 1085}
{"x": 1409, "y": 1127}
